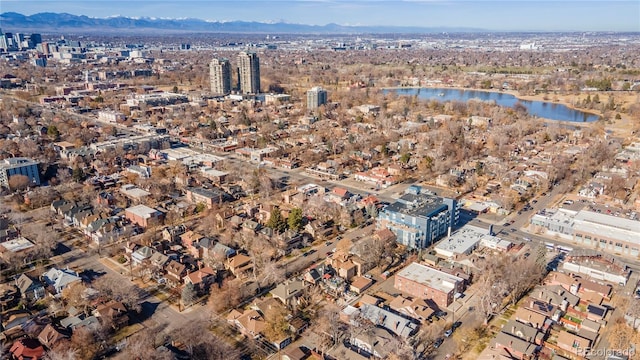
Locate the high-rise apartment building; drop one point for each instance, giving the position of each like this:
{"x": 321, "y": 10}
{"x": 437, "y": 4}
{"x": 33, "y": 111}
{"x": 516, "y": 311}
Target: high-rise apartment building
{"x": 316, "y": 96}
{"x": 248, "y": 73}
{"x": 220, "y": 76}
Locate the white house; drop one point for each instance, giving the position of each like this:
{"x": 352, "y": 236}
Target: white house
{"x": 60, "y": 279}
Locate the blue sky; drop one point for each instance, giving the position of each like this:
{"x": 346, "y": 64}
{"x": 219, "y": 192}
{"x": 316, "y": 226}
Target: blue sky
{"x": 509, "y": 15}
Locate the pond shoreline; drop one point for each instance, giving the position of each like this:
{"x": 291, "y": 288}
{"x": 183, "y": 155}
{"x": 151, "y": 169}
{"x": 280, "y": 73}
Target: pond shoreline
{"x": 515, "y": 94}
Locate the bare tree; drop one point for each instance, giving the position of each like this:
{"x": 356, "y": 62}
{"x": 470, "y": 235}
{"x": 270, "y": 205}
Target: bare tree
{"x": 329, "y": 326}
{"x": 206, "y": 346}
{"x": 19, "y": 182}
{"x": 129, "y": 295}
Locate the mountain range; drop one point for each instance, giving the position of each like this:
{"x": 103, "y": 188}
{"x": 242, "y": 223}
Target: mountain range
{"x": 63, "y": 22}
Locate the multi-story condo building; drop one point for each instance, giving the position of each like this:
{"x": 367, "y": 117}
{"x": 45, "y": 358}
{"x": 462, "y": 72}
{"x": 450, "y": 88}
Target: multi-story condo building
{"x": 419, "y": 219}
{"x": 19, "y": 166}
{"x": 316, "y": 96}
{"x": 248, "y": 73}
{"x": 220, "y": 76}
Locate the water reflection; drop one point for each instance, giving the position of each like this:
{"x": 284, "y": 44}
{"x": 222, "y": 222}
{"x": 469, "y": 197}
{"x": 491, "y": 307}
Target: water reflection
{"x": 536, "y": 108}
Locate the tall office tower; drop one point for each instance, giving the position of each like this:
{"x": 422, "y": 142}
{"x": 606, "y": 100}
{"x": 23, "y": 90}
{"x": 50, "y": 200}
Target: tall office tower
{"x": 220, "y": 76}
{"x": 316, "y": 96}
{"x": 35, "y": 39}
{"x": 249, "y": 73}
{"x": 4, "y": 43}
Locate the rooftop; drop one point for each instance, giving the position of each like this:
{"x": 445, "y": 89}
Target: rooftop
{"x": 608, "y": 226}
{"x": 420, "y": 205}
{"x": 133, "y": 191}
{"x": 142, "y": 211}
{"x": 17, "y": 245}
{"x": 430, "y": 277}
{"x": 461, "y": 241}
{"x": 390, "y": 321}
{"x": 16, "y": 162}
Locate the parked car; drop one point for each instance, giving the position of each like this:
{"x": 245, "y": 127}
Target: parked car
{"x": 438, "y": 342}
{"x": 448, "y": 333}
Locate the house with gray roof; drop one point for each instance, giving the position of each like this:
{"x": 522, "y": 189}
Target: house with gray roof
{"x": 555, "y": 295}
{"x": 393, "y": 322}
{"x": 60, "y": 279}
{"x": 142, "y": 254}
{"x": 222, "y": 251}
{"x": 30, "y": 289}
{"x": 289, "y": 291}
{"x": 515, "y": 347}
{"x": 73, "y": 322}
{"x": 523, "y": 331}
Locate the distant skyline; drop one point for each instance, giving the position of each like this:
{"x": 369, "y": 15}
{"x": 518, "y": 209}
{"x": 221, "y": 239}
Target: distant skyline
{"x": 513, "y": 15}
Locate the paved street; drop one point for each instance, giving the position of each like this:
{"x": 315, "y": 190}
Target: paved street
{"x": 298, "y": 175}
{"x": 154, "y": 309}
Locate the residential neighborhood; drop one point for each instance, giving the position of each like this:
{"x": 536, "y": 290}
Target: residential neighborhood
{"x": 301, "y": 196}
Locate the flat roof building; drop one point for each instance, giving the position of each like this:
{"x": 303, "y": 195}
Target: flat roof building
{"x": 423, "y": 282}
{"x": 19, "y": 166}
{"x": 419, "y": 219}
{"x": 461, "y": 242}
{"x": 16, "y": 245}
{"x": 143, "y": 215}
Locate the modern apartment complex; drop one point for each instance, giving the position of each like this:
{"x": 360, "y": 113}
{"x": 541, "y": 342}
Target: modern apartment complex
{"x": 248, "y": 73}
{"x": 220, "y": 76}
{"x": 19, "y": 166}
{"x": 316, "y": 96}
{"x": 419, "y": 219}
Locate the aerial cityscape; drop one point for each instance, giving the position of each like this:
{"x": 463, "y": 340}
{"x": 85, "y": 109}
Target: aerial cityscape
{"x": 322, "y": 180}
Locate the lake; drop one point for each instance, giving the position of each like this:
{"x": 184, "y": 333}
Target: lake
{"x": 542, "y": 109}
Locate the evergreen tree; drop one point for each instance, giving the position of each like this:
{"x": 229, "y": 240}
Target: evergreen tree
{"x": 53, "y": 131}
{"x": 188, "y": 294}
{"x": 541, "y": 256}
{"x": 295, "y": 219}
{"x": 78, "y": 174}
{"x": 276, "y": 222}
